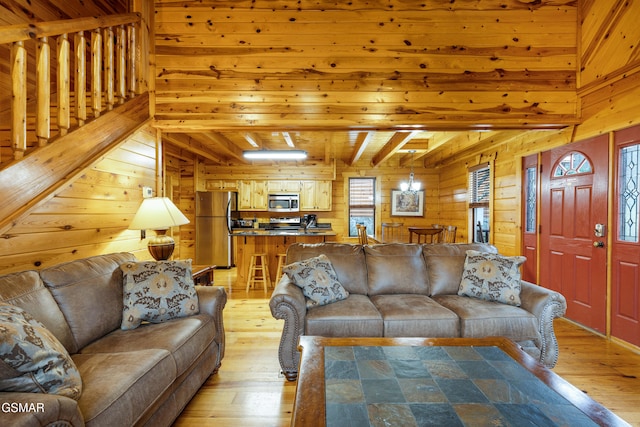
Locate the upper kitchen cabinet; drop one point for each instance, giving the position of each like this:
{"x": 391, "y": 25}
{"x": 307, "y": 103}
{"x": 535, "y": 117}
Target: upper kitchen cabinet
{"x": 283, "y": 186}
{"x": 316, "y": 196}
{"x": 252, "y": 196}
{"x": 221, "y": 185}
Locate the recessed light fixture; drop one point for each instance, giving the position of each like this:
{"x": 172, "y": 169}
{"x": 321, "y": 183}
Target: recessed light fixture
{"x": 287, "y": 139}
{"x": 275, "y": 154}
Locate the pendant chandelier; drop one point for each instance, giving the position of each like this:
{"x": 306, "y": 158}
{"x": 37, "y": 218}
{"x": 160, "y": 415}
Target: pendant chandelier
{"x": 411, "y": 186}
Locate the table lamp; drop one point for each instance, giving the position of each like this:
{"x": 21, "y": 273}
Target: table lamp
{"x": 158, "y": 214}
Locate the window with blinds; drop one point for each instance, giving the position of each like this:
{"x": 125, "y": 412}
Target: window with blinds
{"x": 479, "y": 186}
{"x": 362, "y": 208}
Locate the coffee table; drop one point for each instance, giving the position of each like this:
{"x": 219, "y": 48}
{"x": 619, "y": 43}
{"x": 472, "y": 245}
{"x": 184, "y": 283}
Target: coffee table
{"x": 434, "y": 381}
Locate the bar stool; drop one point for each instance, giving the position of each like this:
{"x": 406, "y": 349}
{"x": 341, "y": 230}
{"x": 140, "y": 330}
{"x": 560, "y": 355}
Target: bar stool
{"x": 282, "y": 259}
{"x": 392, "y": 232}
{"x": 255, "y": 268}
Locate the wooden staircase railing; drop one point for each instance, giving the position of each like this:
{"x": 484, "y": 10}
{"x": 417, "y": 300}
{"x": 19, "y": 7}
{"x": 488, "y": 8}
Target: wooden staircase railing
{"x": 106, "y": 71}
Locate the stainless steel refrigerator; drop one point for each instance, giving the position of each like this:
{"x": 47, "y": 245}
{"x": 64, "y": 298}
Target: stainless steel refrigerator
{"x": 215, "y": 212}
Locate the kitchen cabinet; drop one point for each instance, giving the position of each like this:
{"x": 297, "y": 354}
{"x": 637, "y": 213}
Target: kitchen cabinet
{"x": 252, "y": 196}
{"x": 283, "y": 186}
{"x": 221, "y": 185}
{"x": 316, "y": 195}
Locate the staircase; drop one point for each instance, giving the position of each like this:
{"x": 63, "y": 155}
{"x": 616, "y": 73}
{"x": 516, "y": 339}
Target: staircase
{"x": 50, "y": 133}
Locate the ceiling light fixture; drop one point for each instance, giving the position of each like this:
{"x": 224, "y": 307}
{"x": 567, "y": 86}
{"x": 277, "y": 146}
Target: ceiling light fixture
{"x": 411, "y": 186}
{"x": 251, "y": 139}
{"x": 275, "y": 154}
{"x": 287, "y": 139}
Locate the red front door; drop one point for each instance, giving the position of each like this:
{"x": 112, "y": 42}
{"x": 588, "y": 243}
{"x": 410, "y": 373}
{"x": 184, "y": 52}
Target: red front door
{"x": 625, "y": 254}
{"x": 574, "y": 183}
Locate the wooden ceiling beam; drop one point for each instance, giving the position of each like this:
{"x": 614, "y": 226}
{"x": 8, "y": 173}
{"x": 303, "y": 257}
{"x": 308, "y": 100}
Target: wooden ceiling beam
{"x": 362, "y": 140}
{"x": 188, "y": 143}
{"x": 395, "y": 143}
{"x": 468, "y": 144}
{"x": 220, "y": 141}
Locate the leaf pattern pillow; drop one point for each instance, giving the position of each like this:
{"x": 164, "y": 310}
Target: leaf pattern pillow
{"x": 317, "y": 279}
{"x": 492, "y": 277}
{"x": 157, "y": 291}
{"x": 32, "y": 358}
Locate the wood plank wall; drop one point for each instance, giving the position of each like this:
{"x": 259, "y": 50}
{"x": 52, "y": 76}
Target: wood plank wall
{"x": 180, "y": 182}
{"x": 88, "y": 216}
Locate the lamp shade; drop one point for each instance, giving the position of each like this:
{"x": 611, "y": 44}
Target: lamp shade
{"x": 157, "y": 213}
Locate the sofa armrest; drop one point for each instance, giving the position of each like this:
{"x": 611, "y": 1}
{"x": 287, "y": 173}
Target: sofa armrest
{"x": 546, "y": 305}
{"x": 287, "y": 302}
{"x": 212, "y": 300}
{"x": 38, "y": 409}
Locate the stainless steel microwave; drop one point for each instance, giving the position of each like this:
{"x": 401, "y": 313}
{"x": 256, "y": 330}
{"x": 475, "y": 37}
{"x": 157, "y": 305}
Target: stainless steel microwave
{"x": 289, "y": 202}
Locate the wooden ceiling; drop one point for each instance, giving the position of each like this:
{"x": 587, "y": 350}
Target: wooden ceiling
{"x": 362, "y": 81}
{"x": 365, "y": 81}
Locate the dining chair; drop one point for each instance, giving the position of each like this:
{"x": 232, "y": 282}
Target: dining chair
{"x": 363, "y": 237}
{"x": 449, "y": 234}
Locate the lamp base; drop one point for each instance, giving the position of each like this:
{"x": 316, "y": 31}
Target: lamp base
{"x": 161, "y": 246}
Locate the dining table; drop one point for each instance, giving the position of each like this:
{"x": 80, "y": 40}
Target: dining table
{"x": 431, "y": 234}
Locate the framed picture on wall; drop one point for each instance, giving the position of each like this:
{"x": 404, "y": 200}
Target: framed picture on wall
{"x": 410, "y": 203}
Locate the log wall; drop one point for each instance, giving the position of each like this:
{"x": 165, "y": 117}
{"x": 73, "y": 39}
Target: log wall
{"x": 89, "y": 215}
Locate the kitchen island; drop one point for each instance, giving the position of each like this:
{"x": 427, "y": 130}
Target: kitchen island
{"x": 271, "y": 242}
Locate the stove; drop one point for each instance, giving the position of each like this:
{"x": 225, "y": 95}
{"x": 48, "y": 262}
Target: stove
{"x": 283, "y": 223}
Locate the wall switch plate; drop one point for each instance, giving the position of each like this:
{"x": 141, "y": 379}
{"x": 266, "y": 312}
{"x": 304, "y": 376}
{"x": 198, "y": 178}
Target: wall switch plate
{"x": 147, "y": 192}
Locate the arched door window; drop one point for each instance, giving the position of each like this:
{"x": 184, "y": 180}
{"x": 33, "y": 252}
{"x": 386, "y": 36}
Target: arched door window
{"x": 573, "y": 163}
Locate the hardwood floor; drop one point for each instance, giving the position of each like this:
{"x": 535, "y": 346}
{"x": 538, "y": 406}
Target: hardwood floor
{"x": 250, "y": 391}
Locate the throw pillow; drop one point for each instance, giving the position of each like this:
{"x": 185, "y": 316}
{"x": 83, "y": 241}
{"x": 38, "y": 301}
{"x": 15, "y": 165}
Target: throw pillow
{"x": 32, "y": 359}
{"x": 492, "y": 277}
{"x": 157, "y": 291}
{"x": 317, "y": 279}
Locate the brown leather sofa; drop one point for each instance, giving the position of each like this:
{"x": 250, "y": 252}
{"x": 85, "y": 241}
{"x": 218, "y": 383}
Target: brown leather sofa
{"x": 144, "y": 376}
{"x": 409, "y": 290}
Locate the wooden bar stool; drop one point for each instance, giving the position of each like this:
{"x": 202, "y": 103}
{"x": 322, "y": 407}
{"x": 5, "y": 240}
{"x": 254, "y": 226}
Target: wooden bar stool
{"x": 282, "y": 259}
{"x": 262, "y": 268}
{"x": 392, "y": 232}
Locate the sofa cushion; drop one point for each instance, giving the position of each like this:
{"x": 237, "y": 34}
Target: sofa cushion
{"x": 492, "y": 277}
{"x": 26, "y": 290}
{"x": 445, "y": 263}
{"x": 317, "y": 279}
{"x": 89, "y": 293}
{"x": 396, "y": 269}
{"x": 186, "y": 339}
{"x": 479, "y": 318}
{"x": 355, "y": 316}
{"x": 157, "y": 291}
{"x": 347, "y": 261}
{"x": 120, "y": 387}
{"x": 411, "y": 315}
{"x": 32, "y": 360}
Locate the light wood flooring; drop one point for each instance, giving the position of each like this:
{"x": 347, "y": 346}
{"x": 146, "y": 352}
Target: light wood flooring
{"x": 250, "y": 391}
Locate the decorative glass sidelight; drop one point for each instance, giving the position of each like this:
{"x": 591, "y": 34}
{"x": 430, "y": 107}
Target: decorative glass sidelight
{"x": 572, "y": 164}
{"x": 531, "y": 199}
{"x": 629, "y": 177}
